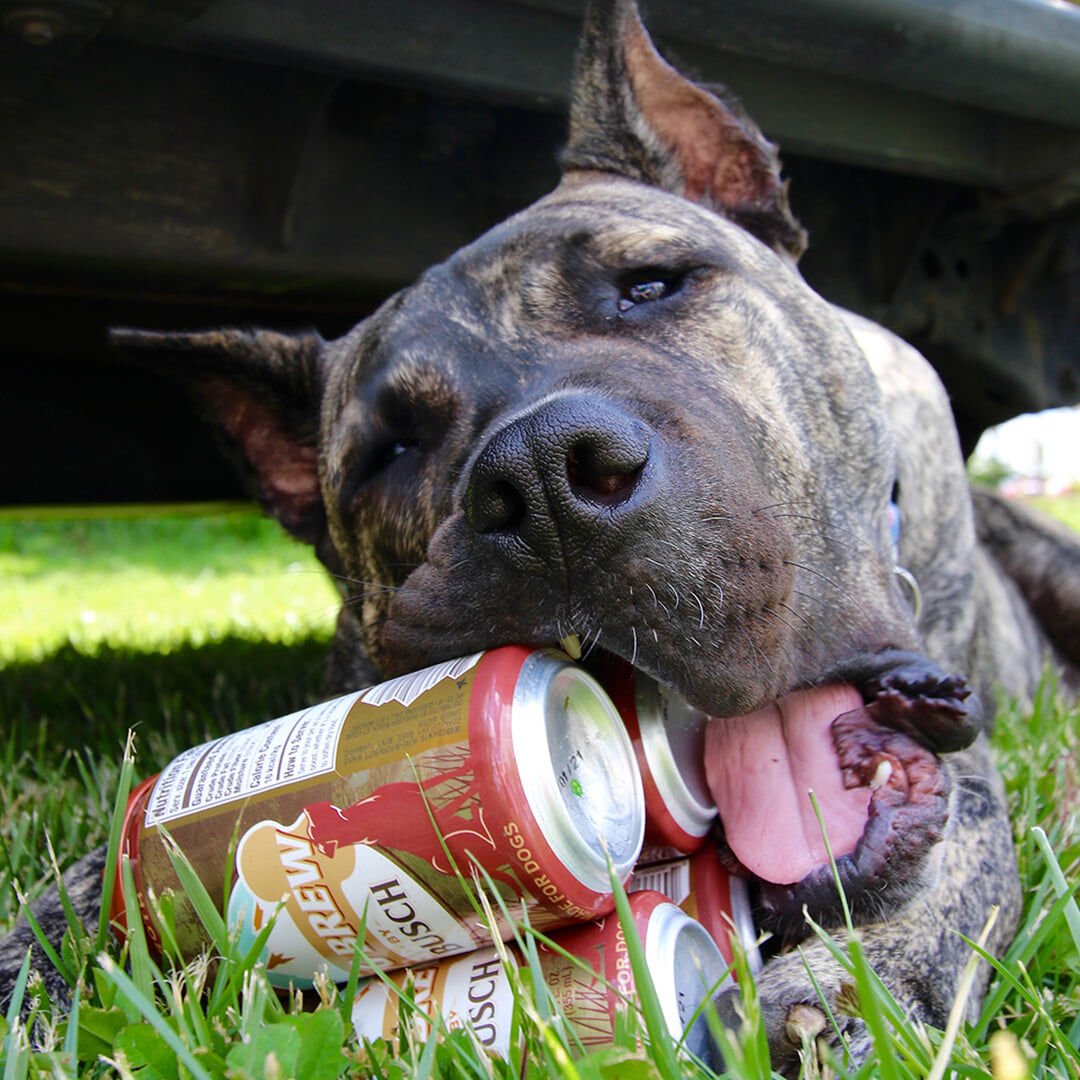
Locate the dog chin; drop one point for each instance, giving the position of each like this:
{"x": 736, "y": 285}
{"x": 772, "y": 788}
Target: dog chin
{"x": 865, "y": 742}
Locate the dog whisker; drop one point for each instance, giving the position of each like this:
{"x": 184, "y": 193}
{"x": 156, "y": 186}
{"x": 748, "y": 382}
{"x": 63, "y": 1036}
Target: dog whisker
{"x": 797, "y": 614}
{"x": 370, "y": 594}
{"x": 782, "y": 504}
{"x": 780, "y": 618}
{"x": 975, "y": 787}
{"x": 789, "y": 657}
{"x": 317, "y": 616}
{"x": 766, "y": 661}
{"x": 674, "y": 592}
{"x": 837, "y": 535}
{"x": 820, "y": 601}
{"x": 824, "y": 577}
{"x": 370, "y": 586}
{"x": 587, "y": 646}
{"x": 701, "y": 610}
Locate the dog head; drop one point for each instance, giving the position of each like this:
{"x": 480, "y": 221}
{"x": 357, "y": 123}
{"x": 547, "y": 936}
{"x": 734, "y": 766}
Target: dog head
{"x": 622, "y": 414}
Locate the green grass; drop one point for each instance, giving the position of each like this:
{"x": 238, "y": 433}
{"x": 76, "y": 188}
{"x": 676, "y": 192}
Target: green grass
{"x": 1065, "y": 508}
{"x": 155, "y": 583}
{"x": 180, "y": 627}
{"x": 226, "y": 657}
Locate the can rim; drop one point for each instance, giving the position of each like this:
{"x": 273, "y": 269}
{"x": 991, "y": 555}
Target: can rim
{"x": 130, "y": 834}
{"x": 530, "y": 734}
{"x": 689, "y": 812}
{"x": 676, "y": 943}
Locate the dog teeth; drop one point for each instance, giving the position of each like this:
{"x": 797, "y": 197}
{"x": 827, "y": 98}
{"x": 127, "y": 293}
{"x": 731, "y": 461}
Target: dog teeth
{"x": 881, "y": 774}
{"x": 571, "y": 645}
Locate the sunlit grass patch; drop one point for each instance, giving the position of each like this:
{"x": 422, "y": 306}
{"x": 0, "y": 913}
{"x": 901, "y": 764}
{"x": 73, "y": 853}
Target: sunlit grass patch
{"x": 153, "y": 583}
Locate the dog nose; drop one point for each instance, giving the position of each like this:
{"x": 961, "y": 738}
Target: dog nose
{"x": 549, "y": 481}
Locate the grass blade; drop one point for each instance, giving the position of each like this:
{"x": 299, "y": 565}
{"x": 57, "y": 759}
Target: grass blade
{"x": 660, "y": 1043}
{"x": 196, "y": 894}
{"x": 865, "y": 982}
{"x": 71, "y": 1036}
{"x": 44, "y": 943}
{"x": 1061, "y": 886}
{"x": 147, "y": 1008}
{"x": 959, "y": 1006}
{"x": 18, "y": 993}
{"x": 123, "y": 790}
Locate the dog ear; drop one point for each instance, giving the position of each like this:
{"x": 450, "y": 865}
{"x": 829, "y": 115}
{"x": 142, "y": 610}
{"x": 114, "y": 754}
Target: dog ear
{"x": 263, "y": 390}
{"x": 633, "y": 114}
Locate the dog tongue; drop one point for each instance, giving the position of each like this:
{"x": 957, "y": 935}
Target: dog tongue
{"x": 760, "y": 769}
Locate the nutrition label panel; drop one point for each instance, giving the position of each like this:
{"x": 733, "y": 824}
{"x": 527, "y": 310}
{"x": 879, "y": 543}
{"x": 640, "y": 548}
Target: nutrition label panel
{"x": 295, "y": 747}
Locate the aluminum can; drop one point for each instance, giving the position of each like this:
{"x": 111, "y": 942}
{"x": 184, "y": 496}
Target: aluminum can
{"x": 683, "y": 961}
{"x": 669, "y": 743}
{"x": 703, "y": 888}
{"x": 365, "y": 806}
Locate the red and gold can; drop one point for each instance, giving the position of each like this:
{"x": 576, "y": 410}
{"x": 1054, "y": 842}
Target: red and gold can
{"x": 364, "y": 807}
{"x": 683, "y": 962}
{"x": 669, "y": 743}
{"x": 704, "y": 889}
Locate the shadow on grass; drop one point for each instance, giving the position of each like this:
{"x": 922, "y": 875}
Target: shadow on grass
{"x": 75, "y": 701}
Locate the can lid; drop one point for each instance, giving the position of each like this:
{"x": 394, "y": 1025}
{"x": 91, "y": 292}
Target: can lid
{"x": 686, "y": 968}
{"x": 673, "y": 739}
{"x": 577, "y": 768}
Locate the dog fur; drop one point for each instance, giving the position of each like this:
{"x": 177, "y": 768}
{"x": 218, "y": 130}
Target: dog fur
{"x": 623, "y": 413}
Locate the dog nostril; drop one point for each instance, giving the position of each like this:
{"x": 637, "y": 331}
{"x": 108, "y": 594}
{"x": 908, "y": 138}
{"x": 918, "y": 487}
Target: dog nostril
{"x": 606, "y": 482}
{"x": 498, "y": 507}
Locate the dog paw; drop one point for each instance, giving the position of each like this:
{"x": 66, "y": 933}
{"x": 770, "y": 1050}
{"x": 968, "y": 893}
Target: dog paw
{"x": 810, "y": 1010}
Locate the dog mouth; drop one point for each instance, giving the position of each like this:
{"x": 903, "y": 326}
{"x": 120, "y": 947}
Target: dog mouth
{"x": 866, "y": 743}
{"x": 865, "y": 735}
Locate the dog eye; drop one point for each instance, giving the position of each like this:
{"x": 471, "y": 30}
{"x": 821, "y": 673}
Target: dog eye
{"x": 642, "y": 293}
{"x": 385, "y": 454}
{"x": 646, "y": 287}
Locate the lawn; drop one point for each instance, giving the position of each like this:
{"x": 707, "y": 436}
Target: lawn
{"x": 155, "y": 583}
{"x": 184, "y": 627}
{"x": 1064, "y": 507}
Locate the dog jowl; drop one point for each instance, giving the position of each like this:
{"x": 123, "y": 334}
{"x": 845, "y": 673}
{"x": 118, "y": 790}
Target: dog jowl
{"x": 622, "y": 414}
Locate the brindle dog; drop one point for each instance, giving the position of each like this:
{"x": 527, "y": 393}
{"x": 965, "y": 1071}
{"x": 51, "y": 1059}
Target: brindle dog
{"x": 623, "y": 414}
